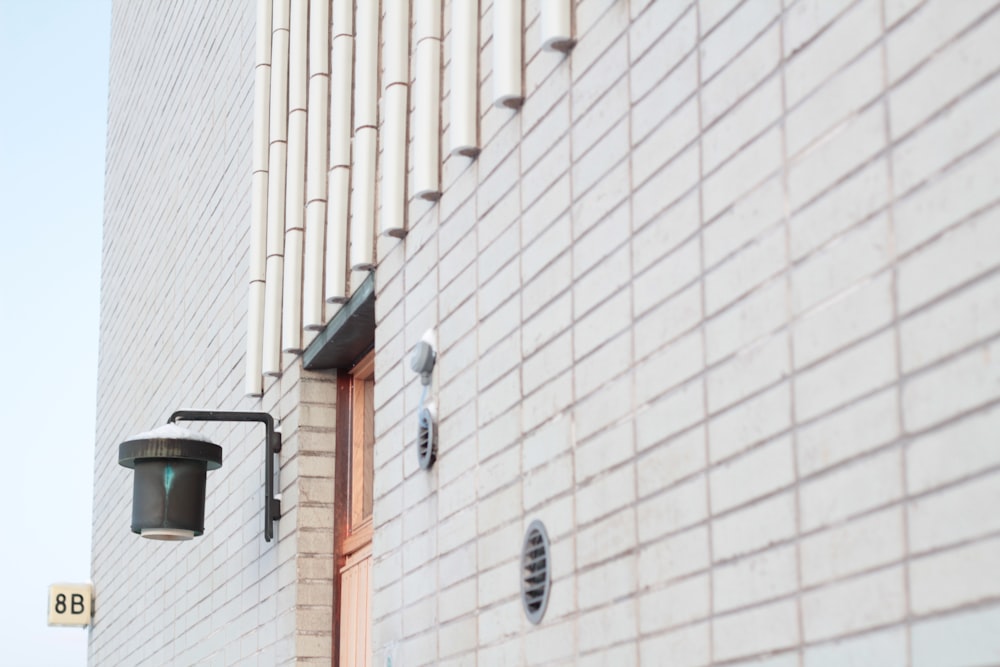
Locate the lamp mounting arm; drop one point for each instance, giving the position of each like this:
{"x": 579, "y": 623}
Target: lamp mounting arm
{"x": 272, "y": 442}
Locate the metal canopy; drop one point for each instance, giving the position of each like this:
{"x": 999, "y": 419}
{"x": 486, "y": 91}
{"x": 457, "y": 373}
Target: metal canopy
{"x": 348, "y": 336}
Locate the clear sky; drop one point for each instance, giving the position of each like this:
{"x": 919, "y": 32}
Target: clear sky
{"x": 53, "y": 100}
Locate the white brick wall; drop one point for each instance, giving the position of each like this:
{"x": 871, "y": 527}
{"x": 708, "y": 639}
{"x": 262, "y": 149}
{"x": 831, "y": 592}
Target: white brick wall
{"x": 731, "y": 333}
{"x": 720, "y": 305}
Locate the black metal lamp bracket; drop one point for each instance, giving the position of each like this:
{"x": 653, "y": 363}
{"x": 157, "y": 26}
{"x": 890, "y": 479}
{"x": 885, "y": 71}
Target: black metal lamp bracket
{"x": 272, "y": 505}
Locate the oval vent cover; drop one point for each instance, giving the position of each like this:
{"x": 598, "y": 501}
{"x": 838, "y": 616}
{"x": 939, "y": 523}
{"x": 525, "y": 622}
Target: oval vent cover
{"x": 536, "y": 581}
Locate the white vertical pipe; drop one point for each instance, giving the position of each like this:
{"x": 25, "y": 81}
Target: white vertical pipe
{"x": 291, "y": 320}
{"x": 427, "y": 17}
{"x": 366, "y": 65}
{"x": 396, "y": 37}
{"x": 343, "y": 18}
{"x": 392, "y": 221}
{"x": 557, "y": 25}
{"x": 463, "y": 134}
{"x": 507, "y": 33}
{"x": 362, "y": 253}
{"x": 313, "y": 317}
{"x": 396, "y": 63}
{"x": 277, "y": 162}
{"x": 341, "y": 87}
{"x": 336, "y": 237}
{"x": 295, "y": 200}
{"x": 339, "y": 177}
{"x": 363, "y": 199}
{"x": 427, "y": 100}
{"x": 258, "y": 206}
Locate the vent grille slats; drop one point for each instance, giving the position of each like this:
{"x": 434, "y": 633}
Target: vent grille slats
{"x": 536, "y": 581}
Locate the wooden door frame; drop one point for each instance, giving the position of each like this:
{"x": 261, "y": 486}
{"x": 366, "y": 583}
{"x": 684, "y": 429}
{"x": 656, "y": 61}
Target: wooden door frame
{"x": 343, "y": 545}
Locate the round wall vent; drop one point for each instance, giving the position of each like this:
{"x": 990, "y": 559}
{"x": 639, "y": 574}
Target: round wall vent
{"x": 426, "y": 439}
{"x": 536, "y": 581}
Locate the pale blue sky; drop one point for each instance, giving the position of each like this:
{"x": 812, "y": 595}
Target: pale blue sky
{"x": 53, "y": 98}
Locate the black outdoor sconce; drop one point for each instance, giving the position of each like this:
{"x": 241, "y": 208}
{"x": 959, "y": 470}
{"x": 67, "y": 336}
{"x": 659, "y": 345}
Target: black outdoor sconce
{"x": 171, "y": 462}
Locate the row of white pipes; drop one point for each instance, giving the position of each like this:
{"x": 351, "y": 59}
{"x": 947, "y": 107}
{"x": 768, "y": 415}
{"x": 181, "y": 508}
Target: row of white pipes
{"x": 316, "y": 137}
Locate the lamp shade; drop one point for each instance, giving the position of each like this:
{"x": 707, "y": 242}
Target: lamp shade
{"x": 168, "y": 493}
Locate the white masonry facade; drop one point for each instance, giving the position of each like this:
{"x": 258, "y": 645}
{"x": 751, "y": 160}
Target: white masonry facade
{"x": 713, "y": 289}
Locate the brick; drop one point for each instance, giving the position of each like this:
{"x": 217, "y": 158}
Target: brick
{"x": 677, "y": 604}
{"x": 600, "y": 241}
{"x": 671, "y": 461}
{"x": 955, "y": 578}
{"x": 748, "y": 217}
{"x": 967, "y": 187}
{"x": 544, "y": 247}
{"x": 741, "y": 174}
{"x": 950, "y": 516}
{"x": 608, "y": 277}
{"x": 851, "y": 490}
{"x": 664, "y": 142}
{"x": 960, "y": 255}
{"x": 547, "y": 481}
{"x": 754, "y": 527}
{"x": 847, "y": 37}
{"x": 847, "y": 92}
{"x": 670, "y": 414}
{"x": 666, "y": 320}
{"x": 601, "y": 324}
{"x": 886, "y": 648}
{"x": 608, "y": 625}
{"x": 849, "y": 146}
{"x": 742, "y": 123}
{"x": 664, "y": 370}
{"x": 666, "y": 186}
{"x": 749, "y": 422}
{"x": 657, "y": 18}
{"x": 955, "y": 69}
{"x": 549, "y": 645}
{"x": 672, "y": 273}
{"x": 953, "y": 452}
{"x": 616, "y": 400}
{"x": 745, "y": 270}
{"x": 759, "y": 472}
{"x": 946, "y": 391}
{"x": 849, "y": 317}
{"x": 855, "y": 199}
{"x": 669, "y": 94}
{"x": 679, "y": 507}
{"x": 710, "y": 13}
{"x": 970, "y": 316}
{"x": 757, "y": 630}
{"x": 857, "y": 604}
{"x": 735, "y": 32}
{"x": 596, "y": 42}
{"x": 853, "y": 430}
{"x": 741, "y": 74}
{"x": 854, "y": 547}
{"x": 603, "y": 451}
{"x": 947, "y": 137}
{"x": 804, "y": 20}
{"x": 664, "y": 54}
{"x": 589, "y": 129}
{"x": 675, "y": 556}
{"x": 926, "y": 31}
{"x": 606, "y": 539}
{"x": 858, "y": 254}
{"x": 751, "y": 370}
{"x": 754, "y": 579}
{"x": 958, "y": 639}
{"x": 603, "y": 584}
{"x": 688, "y": 646}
